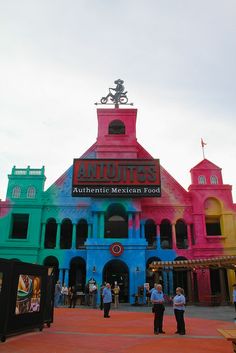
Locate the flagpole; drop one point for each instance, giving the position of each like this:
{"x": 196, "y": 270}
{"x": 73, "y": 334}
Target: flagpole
{"x": 203, "y": 151}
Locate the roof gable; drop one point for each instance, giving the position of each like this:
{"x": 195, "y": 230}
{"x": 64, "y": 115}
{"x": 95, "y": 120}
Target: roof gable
{"x": 205, "y": 164}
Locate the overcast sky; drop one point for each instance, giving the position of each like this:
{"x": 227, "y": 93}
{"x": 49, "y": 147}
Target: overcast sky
{"x": 178, "y": 61}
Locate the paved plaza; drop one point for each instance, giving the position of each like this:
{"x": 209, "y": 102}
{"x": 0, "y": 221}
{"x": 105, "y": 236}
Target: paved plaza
{"x": 129, "y": 329}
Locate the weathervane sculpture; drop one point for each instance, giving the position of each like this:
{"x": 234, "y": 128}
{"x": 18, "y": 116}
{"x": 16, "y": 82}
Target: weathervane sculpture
{"x": 116, "y": 95}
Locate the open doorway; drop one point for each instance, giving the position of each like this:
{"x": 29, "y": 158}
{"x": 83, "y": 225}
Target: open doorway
{"x": 117, "y": 271}
{"x": 77, "y": 274}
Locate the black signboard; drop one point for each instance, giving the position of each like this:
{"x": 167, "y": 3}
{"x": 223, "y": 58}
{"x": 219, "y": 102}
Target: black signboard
{"x": 22, "y": 296}
{"x": 116, "y": 178}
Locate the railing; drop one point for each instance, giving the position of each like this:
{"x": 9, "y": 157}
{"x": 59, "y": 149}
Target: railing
{"x": 27, "y": 171}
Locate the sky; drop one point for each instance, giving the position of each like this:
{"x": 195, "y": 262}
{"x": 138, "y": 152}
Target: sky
{"x": 176, "y": 57}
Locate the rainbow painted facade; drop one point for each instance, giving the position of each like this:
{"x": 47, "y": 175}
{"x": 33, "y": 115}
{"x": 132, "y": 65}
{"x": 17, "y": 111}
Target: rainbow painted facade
{"x": 76, "y": 234}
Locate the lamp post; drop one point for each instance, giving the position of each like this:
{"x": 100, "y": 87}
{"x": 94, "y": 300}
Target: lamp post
{"x": 137, "y": 270}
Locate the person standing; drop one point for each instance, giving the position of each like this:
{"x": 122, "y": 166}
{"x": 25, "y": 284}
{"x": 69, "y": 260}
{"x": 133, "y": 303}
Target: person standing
{"x": 116, "y": 292}
{"x": 157, "y": 299}
{"x": 107, "y": 299}
{"x": 72, "y": 297}
{"x": 57, "y": 294}
{"x": 179, "y": 308}
{"x": 94, "y": 292}
{"x": 234, "y": 297}
{"x": 64, "y": 294}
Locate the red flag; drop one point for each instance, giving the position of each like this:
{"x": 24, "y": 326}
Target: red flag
{"x": 203, "y": 143}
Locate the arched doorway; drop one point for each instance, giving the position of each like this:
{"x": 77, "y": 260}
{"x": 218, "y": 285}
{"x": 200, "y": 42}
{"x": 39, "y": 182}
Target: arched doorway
{"x": 77, "y": 273}
{"x": 51, "y": 261}
{"x": 117, "y": 271}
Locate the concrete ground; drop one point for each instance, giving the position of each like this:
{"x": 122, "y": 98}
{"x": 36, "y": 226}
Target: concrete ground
{"x": 129, "y": 329}
{"x": 225, "y": 313}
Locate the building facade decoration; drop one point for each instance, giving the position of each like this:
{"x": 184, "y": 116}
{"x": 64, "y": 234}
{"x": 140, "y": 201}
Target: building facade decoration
{"x": 82, "y": 236}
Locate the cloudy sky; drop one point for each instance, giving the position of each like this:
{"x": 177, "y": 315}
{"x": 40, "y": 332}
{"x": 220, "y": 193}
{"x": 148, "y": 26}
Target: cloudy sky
{"x": 58, "y": 57}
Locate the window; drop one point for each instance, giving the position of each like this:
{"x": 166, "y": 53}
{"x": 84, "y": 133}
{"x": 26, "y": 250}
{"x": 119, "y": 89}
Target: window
{"x": 116, "y": 222}
{"x": 150, "y": 232}
{"x": 116, "y": 127}
{"x": 213, "y": 226}
{"x": 201, "y": 179}
{"x": 81, "y": 233}
{"x": 66, "y": 234}
{"x": 166, "y": 234}
{"x": 50, "y": 234}
{"x": 31, "y": 192}
{"x": 16, "y": 192}
{"x": 181, "y": 235}
{"x": 20, "y": 224}
{"x": 214, "y": 179}
{"x": 213, "y": 212}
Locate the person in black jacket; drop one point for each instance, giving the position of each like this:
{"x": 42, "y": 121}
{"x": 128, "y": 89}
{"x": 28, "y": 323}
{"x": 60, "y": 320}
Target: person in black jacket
{"x": 72, "y": 297}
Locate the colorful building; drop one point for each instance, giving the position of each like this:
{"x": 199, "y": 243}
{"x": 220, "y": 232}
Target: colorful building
{"x": 115, "y": 239}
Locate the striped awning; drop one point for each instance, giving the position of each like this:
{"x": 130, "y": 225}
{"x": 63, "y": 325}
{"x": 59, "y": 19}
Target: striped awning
{"x": 216, "y": 262}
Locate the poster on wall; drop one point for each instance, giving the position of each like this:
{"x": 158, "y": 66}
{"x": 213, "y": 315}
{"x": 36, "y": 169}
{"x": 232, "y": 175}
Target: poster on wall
{"x": 116, "y": 177}
{"x": 28, "y": 294}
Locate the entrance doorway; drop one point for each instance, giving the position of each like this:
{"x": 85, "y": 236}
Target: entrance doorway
{"x": 77, "y": 274}
{"x": 180, "y": 276}
{"x": 117, "y": 271}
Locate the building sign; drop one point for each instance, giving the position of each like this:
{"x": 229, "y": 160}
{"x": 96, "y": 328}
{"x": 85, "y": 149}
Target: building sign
{"x": 116, "y": 178}
{"x": 116, "y": 249}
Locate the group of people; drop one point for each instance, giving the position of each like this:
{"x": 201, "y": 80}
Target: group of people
{"x": 158, "y": 301}
{"x": 67, "y": 296}
{"x": 64, "y": 295}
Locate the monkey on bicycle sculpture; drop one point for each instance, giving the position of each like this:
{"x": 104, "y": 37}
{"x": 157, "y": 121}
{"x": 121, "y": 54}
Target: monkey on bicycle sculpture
{"x": 119, "y": 96}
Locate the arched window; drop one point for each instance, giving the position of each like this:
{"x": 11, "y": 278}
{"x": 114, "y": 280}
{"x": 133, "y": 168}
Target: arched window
{"x": 181, "y": 235}
{"x": 31, "y": 192}
{"x": 166, "y": 234}
{"x": 214, "y": 179}
{"x": 116, "y": 222}
{"x": 50, "y": 234}
{"x": 16, "y": 191}
{"x": 81, "y": 233}
{"x": 116, "y": 127}
{"x": 66, "y": 234}
{"x": 201, "y": 179}
{"x": 213, "y": 214}
{"x": 150, "y": 232}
